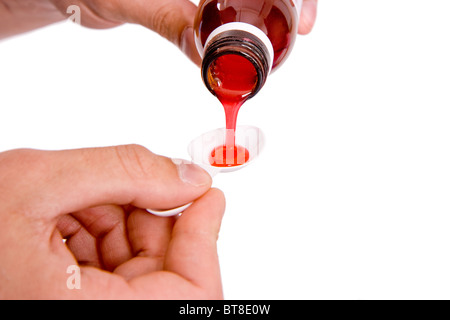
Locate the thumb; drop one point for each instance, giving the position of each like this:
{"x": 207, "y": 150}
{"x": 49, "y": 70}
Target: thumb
{"x": 49, "y": 183}
{"x": 172, "y": 19}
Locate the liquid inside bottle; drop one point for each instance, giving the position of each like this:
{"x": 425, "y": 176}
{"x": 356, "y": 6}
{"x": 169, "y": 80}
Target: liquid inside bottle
{"x": 277, "y": 19}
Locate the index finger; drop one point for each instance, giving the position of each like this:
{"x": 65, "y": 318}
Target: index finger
{"x": 308, "y": 16}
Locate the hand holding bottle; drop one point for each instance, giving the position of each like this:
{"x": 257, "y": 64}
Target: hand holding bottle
{"x": 172, "y": 19}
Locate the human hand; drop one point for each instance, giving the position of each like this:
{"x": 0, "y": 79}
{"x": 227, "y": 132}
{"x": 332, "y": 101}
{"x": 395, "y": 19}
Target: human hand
{"x": 93, "y": 198}
{"x": 308, "y": 16}
{"x": 173, "y": 19}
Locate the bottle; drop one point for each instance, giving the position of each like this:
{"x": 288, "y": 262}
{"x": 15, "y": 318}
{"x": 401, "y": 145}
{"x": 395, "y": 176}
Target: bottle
{"x": 241, "y": 42}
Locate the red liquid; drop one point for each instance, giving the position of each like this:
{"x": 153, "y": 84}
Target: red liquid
{"x": 276, "y": 18}
{"x": 233, "y": 79}
{"x": 224, "y": 156}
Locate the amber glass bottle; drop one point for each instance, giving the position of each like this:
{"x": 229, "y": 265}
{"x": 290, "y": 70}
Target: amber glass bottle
{"x": 242, "y": 41}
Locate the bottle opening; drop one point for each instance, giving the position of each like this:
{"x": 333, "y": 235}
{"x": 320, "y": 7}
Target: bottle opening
{"x": 233, "y": 76}
{"x": 235, "y": 61}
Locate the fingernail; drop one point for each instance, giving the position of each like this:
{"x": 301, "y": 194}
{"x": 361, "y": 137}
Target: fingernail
{"x": 191, "y": 174}
{"x": 185, "y": 37}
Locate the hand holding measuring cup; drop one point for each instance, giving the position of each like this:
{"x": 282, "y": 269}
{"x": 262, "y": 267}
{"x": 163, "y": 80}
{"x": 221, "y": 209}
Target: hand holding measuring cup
{"x": 251, "y": 141}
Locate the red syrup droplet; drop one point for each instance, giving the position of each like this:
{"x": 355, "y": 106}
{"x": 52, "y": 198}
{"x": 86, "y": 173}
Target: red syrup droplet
{"x": 233, "y": 79}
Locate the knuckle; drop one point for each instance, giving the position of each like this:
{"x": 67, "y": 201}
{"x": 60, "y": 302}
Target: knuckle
{"x": 161, "y": 21}
{"x": 134, "y": 160}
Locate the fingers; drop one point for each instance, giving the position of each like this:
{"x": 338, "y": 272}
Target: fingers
{"x": 149, "y": 234}
{"x": 107, "y": 224}
{"x": 192, "y": 252}
{"x": 149, "y": 238}
{"x": 172, "y": 19}
{"x": 186, "y": 247}
{"x": 92, "y": 14}
{"x": 81, "y": 243}
{"x": 307, "y": 16}
{"x": 47, "y": 184}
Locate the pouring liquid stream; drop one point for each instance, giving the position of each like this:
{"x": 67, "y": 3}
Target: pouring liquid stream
{"x": 233, "y": 80}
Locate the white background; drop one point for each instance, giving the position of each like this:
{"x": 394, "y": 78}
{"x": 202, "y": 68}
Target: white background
{"x": 351, "y": 197}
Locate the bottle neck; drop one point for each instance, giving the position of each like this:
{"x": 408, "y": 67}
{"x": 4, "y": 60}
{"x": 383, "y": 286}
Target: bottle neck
{"x": 241, "y": 42}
